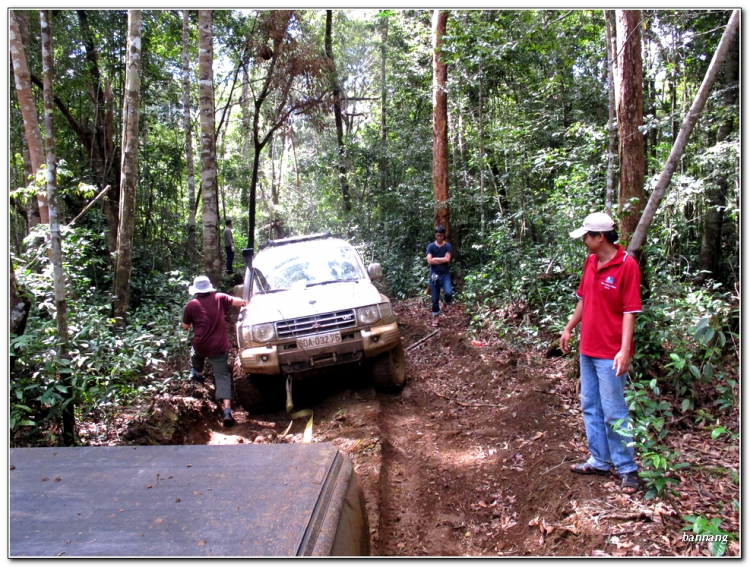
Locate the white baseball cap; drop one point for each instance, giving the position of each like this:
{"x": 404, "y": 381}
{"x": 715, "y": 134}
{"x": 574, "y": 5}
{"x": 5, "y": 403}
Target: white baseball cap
{"x": 595, "y": 222}
{"x": 201, "y": 284}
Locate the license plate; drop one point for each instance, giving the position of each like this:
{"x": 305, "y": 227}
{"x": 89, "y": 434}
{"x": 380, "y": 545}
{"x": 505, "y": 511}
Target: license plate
{"x": 315, "y": 341}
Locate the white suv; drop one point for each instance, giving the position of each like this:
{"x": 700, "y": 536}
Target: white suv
{"x": 312, "y": 307}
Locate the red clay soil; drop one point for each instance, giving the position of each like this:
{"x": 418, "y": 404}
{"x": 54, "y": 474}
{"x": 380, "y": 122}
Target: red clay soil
{"x": 473, "y": 457}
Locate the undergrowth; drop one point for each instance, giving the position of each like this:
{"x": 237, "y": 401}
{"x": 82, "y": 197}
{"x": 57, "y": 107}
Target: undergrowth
{"x": 102, "y": 369}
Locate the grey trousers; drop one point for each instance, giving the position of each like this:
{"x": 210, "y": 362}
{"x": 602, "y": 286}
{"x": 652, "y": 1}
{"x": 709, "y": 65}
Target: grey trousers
{"x": 222, "y": 377}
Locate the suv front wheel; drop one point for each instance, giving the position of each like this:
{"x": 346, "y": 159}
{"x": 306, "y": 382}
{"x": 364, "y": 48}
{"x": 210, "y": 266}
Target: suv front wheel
{"x": 389, "y": 370}
{"x": 249, "y": 394}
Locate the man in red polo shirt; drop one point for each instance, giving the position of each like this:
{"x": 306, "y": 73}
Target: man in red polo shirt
{"x": 609, "y": 297}
{"x": 211, "y": 341}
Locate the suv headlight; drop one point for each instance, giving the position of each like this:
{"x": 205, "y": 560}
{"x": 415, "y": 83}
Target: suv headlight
{"x": 386, "y": 312}
{"x": 368, "y": 315}
{"x": 263, "y": 333}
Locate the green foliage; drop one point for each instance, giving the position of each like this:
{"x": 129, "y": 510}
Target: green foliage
{"x": 687, "y": 332}
{"x": 100, "y": 370}
{"x": 702, "y": 526}
{"x": 648, "y": 432}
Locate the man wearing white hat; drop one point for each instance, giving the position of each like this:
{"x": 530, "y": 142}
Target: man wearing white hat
{"x": 609, "y": 297}
{"x": 211, "y": 340}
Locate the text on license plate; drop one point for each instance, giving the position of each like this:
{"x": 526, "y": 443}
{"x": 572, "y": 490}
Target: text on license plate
{"x": 315, "y": 341}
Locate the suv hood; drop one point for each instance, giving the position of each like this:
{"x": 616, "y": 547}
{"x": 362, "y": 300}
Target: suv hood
{"x": 293, "y": 303}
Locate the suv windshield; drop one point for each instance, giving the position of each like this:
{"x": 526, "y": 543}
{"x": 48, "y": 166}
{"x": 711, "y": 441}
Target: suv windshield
{"x": 305, "y": 264}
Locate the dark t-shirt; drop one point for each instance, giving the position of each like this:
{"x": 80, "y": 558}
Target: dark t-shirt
{"x": 206, "y": 314}
{"x": 439, "y": 252}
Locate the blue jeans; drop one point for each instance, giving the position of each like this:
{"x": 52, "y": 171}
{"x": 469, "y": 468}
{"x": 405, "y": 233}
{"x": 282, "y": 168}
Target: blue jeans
{"x": 230, "y": 258}
{"x": 603, "y": 403}
{"x": 438, "y": 281}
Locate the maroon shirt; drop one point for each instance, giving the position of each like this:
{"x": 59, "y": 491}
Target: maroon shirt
{"x": 206, "y": 314}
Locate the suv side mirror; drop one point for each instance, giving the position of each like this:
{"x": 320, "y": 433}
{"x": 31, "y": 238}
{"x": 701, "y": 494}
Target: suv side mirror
{"x": 375, "y": 271}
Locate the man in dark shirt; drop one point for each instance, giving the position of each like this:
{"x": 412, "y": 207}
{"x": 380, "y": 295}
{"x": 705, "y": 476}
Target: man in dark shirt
{"x": 438, "y": 257}
{"x": 211, "y": 340}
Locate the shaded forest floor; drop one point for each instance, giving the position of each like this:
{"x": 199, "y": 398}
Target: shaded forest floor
{"x": 472, "y": 458}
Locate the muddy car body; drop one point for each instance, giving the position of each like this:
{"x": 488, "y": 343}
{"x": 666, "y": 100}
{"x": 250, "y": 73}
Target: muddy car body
{"x": 312, "y": 308}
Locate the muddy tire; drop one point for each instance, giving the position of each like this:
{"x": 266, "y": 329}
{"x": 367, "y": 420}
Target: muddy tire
{"x": 389, "y": 370}
{"x": 249, "y": 394}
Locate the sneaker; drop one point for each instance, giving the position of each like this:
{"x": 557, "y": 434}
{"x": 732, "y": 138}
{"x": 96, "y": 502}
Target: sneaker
{"x": 228, "y": 419}
{"x": 195, "y": 377}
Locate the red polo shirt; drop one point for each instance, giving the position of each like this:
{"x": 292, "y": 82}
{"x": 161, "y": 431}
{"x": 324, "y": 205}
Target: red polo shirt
{"x": 206, "y": 314}
{"x": 607, "y": 294}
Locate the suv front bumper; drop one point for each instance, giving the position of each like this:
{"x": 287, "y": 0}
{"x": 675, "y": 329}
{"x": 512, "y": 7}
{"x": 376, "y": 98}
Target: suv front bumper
{"x": 288, "y": 358}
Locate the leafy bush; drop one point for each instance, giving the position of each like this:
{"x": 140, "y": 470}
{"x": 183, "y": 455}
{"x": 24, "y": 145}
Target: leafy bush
{"x": 103, "y": 369}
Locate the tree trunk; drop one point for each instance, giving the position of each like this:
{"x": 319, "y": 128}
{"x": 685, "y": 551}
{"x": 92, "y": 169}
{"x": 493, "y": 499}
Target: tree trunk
{"x": 99, "y": 138}
{"x": 298, "y": 183}
{"x": 337, "y": 96}
{"x": 480, "y": 134}
{"x": 32, "y": 215}
{"x": 188, "y": 133}
{"x": 629, "y": 118}
{"x": 259, "y": 143}
{"x": 611, "y": 46}
{"x": 246, "y": 129}
{"x": 209, "y": 189}
{"x": 688, "y": 123}
{"x": 383, "y": 101}
{"x": 710, "y": 256}
{"x": 440, "y": 123}
{"x": 28, "y": 108}
{"x": 58, "y": 276}
{"x": 129, "y": 168}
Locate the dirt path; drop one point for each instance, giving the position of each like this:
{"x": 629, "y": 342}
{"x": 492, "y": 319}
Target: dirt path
{"x": 472, "y": 457}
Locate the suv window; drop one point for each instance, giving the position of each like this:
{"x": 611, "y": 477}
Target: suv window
{"x": 303, "y": 265}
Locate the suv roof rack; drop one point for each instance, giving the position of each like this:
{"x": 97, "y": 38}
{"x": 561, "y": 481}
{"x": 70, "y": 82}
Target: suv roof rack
{"x": 295, "y": 239}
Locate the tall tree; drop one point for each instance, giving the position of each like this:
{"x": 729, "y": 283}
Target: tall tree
{"x": 440, "y": 122}
{"x": 192, "y": 204}
{"x": 55, "y": 240}
{"x": 31, "y": 213}
{"x": 383, "y": 16}
{"x": 688, "y": 123}
{"x": 99, "y": 136}
{"x": 632, "y": 197}
{"x": 611, "y": 62}
{"x": 295, "y": 79}
{"x": 337, "y": 96}
{"x": 129, "y": 167}
{"x": 28, "y": 108}
{"x": 711, "y": 255}
{"x": 209, "y": 186}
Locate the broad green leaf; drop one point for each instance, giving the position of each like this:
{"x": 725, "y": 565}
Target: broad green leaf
{"x": 702, "y": 324}
{"x": 718, "y": 548}
{"x": 708, "y": 371}
{"x": 709, "y": 334}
